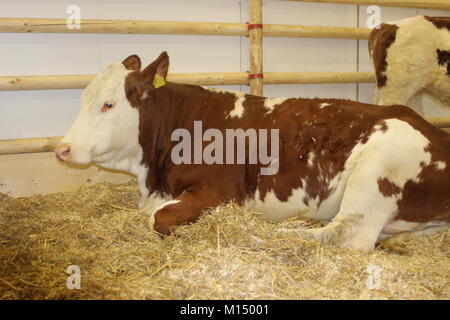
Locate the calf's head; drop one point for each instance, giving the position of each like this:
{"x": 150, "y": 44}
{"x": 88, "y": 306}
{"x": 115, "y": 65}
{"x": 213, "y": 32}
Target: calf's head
{"x": 106, "y": 130}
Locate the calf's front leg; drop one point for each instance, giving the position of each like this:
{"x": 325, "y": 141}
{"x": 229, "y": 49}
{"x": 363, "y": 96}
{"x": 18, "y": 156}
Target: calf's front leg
{"x": 185, "y": 208}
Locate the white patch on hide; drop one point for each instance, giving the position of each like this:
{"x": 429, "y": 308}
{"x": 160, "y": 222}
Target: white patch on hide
{"x": 276, "y": 210}
{"x": 271, "y": 103}
{"x": 440, "y": 165}
{"x": 238, "y": 109}
{"x": 311, "y": 157}
{"x": 158, "y": 204}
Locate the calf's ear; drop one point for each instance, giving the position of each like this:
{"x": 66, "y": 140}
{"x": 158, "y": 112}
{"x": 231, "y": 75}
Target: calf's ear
{"x": 133, "y": 63}
{"x": 156, "y": 72}
{"x": 162, "y": 64}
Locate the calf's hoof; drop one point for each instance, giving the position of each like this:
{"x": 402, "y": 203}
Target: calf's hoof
{"x": 394, "y": 245}
{"x": 160, "y": 224}
{"x": 325, "y": 235}
{"x": 164, "y": 230}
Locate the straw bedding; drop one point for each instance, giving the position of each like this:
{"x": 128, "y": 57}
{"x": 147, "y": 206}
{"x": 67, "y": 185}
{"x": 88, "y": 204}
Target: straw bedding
{"x": 228, "y": 254}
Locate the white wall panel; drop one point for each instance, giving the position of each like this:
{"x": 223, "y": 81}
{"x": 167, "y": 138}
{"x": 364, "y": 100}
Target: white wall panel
{"x": 30, "y": 54}
{"x": 187, "y": 53}
{"x": 50, "y": 112}
{"x": 37, "y": 113}
{"x": 313, "y": 14}
{"x": 291, "y": 54}
{"x": 46, "y": 8}
{"x": 172, "y": 10}
{"x": 365, "y": 93}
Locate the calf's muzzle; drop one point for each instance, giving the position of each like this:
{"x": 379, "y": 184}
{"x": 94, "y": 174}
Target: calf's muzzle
{"x": 62, "y": 151}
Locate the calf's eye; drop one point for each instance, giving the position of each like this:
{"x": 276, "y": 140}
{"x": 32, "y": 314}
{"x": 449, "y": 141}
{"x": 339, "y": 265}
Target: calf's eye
{"x": 107, "y": 106}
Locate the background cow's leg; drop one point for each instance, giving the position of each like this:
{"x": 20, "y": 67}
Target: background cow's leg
{"x": 396, "y": 242}
{"x": 185, "y": 208}
{"x": 393, "y": 94}
{"x": 376, "y": 96}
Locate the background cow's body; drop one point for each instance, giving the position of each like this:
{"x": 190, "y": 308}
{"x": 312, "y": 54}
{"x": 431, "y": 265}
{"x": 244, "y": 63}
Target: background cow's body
{"x": 375, "y": 171}
{"x": 412, "y": 56}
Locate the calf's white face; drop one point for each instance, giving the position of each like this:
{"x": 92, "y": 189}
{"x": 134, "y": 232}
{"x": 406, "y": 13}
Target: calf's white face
{"x": 107, "y": 128}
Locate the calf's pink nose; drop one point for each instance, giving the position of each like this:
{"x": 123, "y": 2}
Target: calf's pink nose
{"x": 63, "y": 151}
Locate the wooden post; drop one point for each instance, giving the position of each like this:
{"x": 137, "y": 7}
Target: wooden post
{"x": 29, "y": 145}
{"x": 440, "y": 122}
{"x": 52, "y": 82}
{"x": 255, "y": 35}
{"x": 33, "y": 25}
{"x": 36, "y": 25}
{"x": 318, "y": 77}
{"x": 289, "y": 31}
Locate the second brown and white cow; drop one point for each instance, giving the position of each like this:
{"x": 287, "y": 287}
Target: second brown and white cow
{"x": 373, "y": 171}
{"x": 412, "y": 56}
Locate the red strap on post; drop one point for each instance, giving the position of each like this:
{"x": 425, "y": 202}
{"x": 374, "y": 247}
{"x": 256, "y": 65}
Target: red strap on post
{"x": 255, "y": 26}
{"x": 255, "y": 76}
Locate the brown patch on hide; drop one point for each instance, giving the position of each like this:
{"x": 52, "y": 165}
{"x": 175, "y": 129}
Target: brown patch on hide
{"x": 379, "y": 42}
{"x": 387, "y": 188}
{"x": 444, "y": 59}
{"x": 192, "y": 202}
{"x": 428, "y": 197}
{"x": 439, "y": 22}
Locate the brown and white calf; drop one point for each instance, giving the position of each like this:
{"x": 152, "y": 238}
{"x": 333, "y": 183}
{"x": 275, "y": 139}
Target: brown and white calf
{"x": 374, "y": 171}
{"x": 411, "y": 56}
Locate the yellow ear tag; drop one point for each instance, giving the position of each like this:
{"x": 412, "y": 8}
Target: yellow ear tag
{"x": 158, "y": 81}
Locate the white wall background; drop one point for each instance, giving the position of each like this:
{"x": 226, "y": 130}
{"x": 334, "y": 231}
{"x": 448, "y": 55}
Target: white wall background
{"x": 50, "y": 113}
